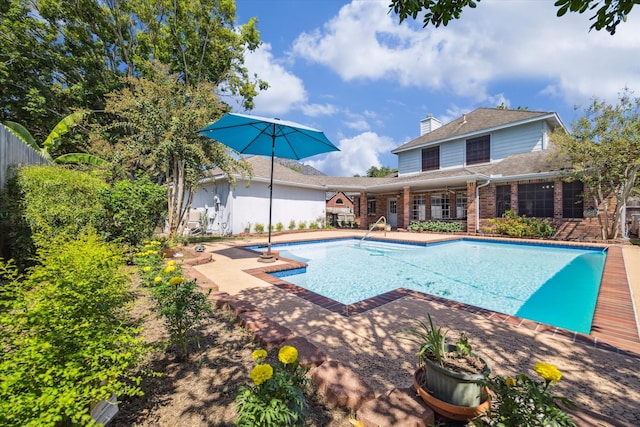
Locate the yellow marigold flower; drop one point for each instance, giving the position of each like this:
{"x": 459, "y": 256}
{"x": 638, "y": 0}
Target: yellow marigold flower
{"x": 548, "y": 371}
{"x": 169, "y": 268}
{"x": 146, "y": 268}
{"x": 157, "y": 279}
{"x": 288, "y": 354}
{"x": 141, "y": 254}
{"x": 259, "y": 354}
{"x": 177, "y": 280}
{"x": 261, "y": 373}
{"x": 171, "y": 263}
{"x": 510, "y": 382}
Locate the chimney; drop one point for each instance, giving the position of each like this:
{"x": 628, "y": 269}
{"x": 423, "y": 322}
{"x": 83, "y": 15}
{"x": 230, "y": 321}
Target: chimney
{"x": 429, "y": 124}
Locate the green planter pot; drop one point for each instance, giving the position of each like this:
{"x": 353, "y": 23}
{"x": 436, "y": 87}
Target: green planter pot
{"x": 454, "y": 387}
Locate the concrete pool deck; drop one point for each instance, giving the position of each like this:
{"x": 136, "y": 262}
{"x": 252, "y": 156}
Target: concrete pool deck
{"x": 370, "y": 343}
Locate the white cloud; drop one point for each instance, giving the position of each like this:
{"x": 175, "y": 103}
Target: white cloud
{"x": 497, "y": 41}
{"x": 356, "y": 155}
{"x": 315, "y": 110}
{"x": 285, "y": 89}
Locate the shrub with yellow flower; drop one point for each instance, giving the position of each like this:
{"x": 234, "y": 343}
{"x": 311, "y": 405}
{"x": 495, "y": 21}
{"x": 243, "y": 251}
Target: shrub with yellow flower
{"x": 176, "y": 280}
{"x": 157, "y": 279}
{"x": 169, "y": 269}
{"x": 522, "y": 401}
{"x": 259, "y": 354}
{"x": 276, "y": 396}
{"x": 548, "y": 371}
{"x": 288, "y": 354}
{"x": 261, "y": 373}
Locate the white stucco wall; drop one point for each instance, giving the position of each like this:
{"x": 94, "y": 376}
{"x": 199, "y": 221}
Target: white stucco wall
{"x": 243, "y": 206}
{"x": 251, "y": 205}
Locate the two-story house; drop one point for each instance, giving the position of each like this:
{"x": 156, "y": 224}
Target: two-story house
{"x": 477, "y": 167}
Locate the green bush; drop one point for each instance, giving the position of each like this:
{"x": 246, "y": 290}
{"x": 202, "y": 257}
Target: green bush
{"x": 276, "y": 397}
{"x": 302, "y": 225}
{"x": 292, "y": 224}
{"x": 520, "y": 226}
{"x": 67, "y": 338}
{"x": 183, "y": 308}
{"x": 313, "y": 226}
{"x": 181, "y": 305}
{"x": 132, "y": 210}
{"x": 259, "y": 228}
{"x": 436, "y": 226}
{"x": 47, "y": 202}
{"x": 279, "y": 226}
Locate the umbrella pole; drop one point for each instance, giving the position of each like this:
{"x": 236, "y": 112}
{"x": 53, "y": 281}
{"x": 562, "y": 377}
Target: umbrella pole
{"x": 273, "y": 140}
{"x": 268, "y": 257}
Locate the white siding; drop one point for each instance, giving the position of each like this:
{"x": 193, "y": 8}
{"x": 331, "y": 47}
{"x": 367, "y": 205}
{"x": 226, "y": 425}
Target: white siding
{"x": 409, "y": 162}
{"x": 521, "y": 139}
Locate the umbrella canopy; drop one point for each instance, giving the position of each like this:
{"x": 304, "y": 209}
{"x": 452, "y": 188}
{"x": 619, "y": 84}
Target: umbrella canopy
{"x": 263, "y": 136}
{"x": 268, "y": 137}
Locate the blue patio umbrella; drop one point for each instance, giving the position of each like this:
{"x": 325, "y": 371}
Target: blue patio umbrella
{"x": 268, "y": 137}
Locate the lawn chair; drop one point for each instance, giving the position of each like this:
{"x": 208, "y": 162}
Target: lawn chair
{"x": 194, "y": 223}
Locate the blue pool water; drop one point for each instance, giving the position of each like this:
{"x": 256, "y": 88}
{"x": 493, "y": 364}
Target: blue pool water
{"x": 549, "y": 284}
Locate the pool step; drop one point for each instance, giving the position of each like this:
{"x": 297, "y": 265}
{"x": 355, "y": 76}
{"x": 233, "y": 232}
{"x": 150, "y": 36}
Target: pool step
{"x": 384, "y": 246}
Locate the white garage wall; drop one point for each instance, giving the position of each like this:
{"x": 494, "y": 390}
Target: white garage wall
{"x": 243, "y": 206}
{"x": 251, "y": 205}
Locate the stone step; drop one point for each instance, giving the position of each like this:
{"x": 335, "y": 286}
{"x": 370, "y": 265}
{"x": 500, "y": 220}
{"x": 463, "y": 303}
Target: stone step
{"x": 398, "y": 407}
{"x": 341, "y": 386}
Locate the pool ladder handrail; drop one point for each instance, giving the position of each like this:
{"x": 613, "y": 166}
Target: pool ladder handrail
{"x": 382, "y": 218}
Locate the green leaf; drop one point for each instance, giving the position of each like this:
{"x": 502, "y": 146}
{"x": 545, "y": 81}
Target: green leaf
{"x": 22, "y": 133}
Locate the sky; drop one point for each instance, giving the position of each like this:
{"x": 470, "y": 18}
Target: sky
{"x": 350, "y": 69}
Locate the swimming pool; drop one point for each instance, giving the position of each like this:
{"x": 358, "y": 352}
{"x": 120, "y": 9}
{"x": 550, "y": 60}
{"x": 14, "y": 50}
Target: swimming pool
{"x": 556, "y": 285}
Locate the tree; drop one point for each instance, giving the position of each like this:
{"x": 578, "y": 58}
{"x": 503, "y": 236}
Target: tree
{"x": 608, "y": 13}
{"x": 52, "y": 142}
{"x": 604, "y": 148}
{"x": 58, "y": 56}
{"x": 383, "y": 171}
{"x": 158, "y": 116}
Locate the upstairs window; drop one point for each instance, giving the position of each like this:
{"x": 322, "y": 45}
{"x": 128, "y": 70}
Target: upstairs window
{"x": 478, "y": 150}
{"x": 339, "y": 202}
{"x": 431, "y": 159}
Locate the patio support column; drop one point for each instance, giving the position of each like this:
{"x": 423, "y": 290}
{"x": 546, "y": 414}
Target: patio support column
{"x": 364, "y": 220}
{"x": 471, "y": 206}
{"x": 406, "y": 206}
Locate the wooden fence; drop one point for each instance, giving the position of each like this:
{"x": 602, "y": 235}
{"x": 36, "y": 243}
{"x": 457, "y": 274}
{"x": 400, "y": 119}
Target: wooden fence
{"x": 14, "y": 152}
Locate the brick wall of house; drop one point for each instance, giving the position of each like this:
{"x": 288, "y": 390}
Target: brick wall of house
{"x": 471, "y": 206}
{"x": 346, "y": 206}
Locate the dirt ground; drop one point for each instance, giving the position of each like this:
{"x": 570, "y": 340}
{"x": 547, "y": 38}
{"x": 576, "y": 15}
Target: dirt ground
{"x": 200, "y": 391}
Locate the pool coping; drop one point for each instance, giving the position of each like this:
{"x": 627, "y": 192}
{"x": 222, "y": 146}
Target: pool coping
{"x": 613, "y": 327}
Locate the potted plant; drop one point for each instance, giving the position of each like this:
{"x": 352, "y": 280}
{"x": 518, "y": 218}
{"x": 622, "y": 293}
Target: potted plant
{"x": 449, "y": 375}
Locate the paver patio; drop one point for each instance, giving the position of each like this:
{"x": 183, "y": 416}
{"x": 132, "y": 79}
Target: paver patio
{"x": 370, "y": 343}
